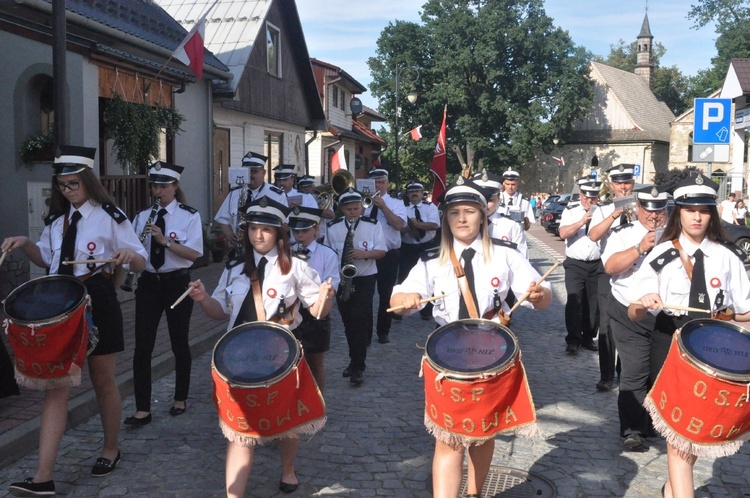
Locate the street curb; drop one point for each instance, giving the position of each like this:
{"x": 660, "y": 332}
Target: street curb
{"x": 23, "y": 439}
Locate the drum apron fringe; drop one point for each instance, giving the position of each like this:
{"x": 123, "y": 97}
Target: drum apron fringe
{"x": 309, "y": 429}
{"x": 687, "y": 447}
{"x": 73, "y": 379}
{"x": 457, "y": 441}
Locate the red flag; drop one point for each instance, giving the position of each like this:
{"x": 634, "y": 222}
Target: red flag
{"x": 416, "y": 133}
{"x": 439, "y": 160}
{"x": 338, "y": 160}
{"x": 190, "y": 51}
{"x": 559, "y": 160}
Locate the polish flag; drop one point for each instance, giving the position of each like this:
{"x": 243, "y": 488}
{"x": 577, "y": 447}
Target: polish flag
{"x": 416, "y": 133}
{"x": 338, "y": 160}
{"x": 439, "y": 161}
{"x": 559, "y": 160}
{"x": 190, "y": 51}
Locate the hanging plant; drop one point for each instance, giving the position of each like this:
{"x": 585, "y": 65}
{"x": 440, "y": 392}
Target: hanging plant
{"x": 38, "y": 148}
{"x": 135, "y": 129}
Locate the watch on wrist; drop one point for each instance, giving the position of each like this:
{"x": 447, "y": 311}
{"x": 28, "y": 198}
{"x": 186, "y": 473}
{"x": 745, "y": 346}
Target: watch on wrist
{"x": 638, "y": 248}
{"x": 169, "y": 243}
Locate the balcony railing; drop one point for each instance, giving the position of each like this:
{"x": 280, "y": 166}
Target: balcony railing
{"x": 130, "y": 192}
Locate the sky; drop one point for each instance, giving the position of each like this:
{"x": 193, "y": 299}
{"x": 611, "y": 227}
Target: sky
{"x": 345, "y": 32}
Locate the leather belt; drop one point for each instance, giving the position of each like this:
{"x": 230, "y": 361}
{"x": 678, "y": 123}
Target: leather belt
{"x": 162, "y": 277}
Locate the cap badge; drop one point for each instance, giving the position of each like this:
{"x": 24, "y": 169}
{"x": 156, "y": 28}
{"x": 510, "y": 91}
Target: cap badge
{"x": 484, "y": 175}
{"x": 296, "y": 210}
{"x": 622, "y": 168}
{"x": 263, "y": 202}
{"x": 460, "y": 180}
{"x": 157, "y": 166}
{"x": 699, "y": 180}
{"x": 654, "y": 192}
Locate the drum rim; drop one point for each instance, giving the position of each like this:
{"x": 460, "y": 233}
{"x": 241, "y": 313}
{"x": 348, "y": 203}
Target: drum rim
{"x": 265, "y": 383}
{"x": 51, "y": 320}
{"x": 454, "y": 374}
{"x": 700, "y": 364}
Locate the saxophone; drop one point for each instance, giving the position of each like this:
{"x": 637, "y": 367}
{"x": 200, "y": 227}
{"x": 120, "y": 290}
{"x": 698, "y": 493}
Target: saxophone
{"x": 127, "y": 285}
{"x": 239, "y": 227}
{"x": 348, "y": 270}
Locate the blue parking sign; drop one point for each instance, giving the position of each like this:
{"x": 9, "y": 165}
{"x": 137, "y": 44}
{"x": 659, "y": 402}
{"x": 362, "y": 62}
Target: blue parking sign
{"x": 713, "y": 121}
{"x": 636, "y": 171}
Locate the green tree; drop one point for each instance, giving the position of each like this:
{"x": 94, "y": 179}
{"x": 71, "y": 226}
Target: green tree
{"x": 510, "y": 78}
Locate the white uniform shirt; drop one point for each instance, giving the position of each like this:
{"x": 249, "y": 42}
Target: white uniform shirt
{"x": 621, "y": 239}
{"x": 503, "y": 228}
{"x": 428, "y": 213}
{"x": 324, "y": 261}
{"x": 726, "y": 211}
{"x": 516, "y": 202}
{"x": 98, "y": 237}
{"x": 600, "y": 214}
{"x": 578, "y": 246}
{"x": 392, "y": 236}
{"x": 507, "y": 269}
{"x": 227, "y": 214}
{"x": 724, "y": 271}
{"x": 368, "y": 236}
{"x": 182, "y": 226}
{"x": 301, "y": 282}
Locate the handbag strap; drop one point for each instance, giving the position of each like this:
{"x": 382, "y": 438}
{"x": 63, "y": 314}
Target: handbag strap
{"x": 464, "y": 286}
{"x": 260, "y": 311}
{"x": 686, "y": 263}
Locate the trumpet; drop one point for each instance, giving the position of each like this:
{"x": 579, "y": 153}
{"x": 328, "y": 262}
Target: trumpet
{"x": 129, "y": 282}
{"x": 368, "y": 200}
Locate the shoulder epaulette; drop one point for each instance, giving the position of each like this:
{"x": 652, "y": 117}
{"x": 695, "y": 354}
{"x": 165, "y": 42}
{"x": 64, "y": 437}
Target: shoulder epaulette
{"x": 572, "y": 205}
{"x": 734, "y": 249}
{"x": 430, "y": 253}
{"x": 368, "y": 219}
{"x": 506, "y": 243}
{"x": 236, "y": 187}
{"x": 275, "y": 189}
{"x": 617, "y": 229}
{"x": 664, "y": 259}
{"x": 333, "y": 222}
{"x": 301, "y": 256}
{"x": 114, "y": 212}
{"x": 50, "y": 218}
{"x": 237, "y": 260}
{"x": 189, "y": 209}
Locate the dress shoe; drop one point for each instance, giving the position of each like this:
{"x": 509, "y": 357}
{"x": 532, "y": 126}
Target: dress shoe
{"x": 383, "y": 339}
{"x": 174, "y": 411}
{"x": 105, "y": 466}
{"x": 30, "y": 488}
{"x": 604, "y": 385}
{"x": 285, "y": 487}
{"x": 137, "y": 422}
{"x": 348, "y": 371}
{"x": 572, "y": 348}
{"x": 590, "y": 345}
{"x": 634, "y": 442}
{"x": 356, "y": 377}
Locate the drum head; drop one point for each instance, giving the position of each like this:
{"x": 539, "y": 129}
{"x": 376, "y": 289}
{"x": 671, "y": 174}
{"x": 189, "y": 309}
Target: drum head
{"x": 44, "y": 298}
{"x": 255, "y": 353}
{"x": 719, "y": 347}
{"x": 471, "y": 346}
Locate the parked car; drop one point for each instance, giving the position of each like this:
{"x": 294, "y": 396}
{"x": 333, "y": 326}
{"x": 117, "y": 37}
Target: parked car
{"x": 552, "y": 222}
{"x": 740, "y": 236}
{"x": 549, "y": 200}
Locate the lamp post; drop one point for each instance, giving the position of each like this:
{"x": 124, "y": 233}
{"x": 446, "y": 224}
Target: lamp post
{"x": 556, "y": 141}
{"x": 412, "y": 98}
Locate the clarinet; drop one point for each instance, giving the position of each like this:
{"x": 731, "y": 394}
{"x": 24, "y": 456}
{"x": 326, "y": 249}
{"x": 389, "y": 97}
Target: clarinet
{"x": 348, "y": 270}
{"x": 127, "y": 285}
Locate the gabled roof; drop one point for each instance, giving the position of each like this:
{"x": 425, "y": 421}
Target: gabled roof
{"x": 650, "y": 116}
{"x": 370, "y": 136}
{"x": 322, "y": 69}
{"x": 737, "y": 81}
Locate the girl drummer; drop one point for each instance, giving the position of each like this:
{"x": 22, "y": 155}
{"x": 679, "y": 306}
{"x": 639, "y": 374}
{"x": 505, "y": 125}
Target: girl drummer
{"x": 694, "y": 230}
{"x": 270, "y": 253}
{"x": 466, "y": 235}
{"x": 83, "y": 224}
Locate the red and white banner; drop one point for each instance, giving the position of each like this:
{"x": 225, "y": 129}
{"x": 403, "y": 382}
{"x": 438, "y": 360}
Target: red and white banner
{"x": 338, "y": 160}
{"x": 190, "y": 51}
{"x": 416, "y": 133}
{"x": 559, "y": 160}
{"x": 439, "y": 161}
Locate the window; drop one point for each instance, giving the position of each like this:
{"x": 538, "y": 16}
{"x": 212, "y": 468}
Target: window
{"x": 273, "y": 148}
{"x": 335, "y": 97}
{"x": 273, "y": 50}
{"x": 343, "y": 96}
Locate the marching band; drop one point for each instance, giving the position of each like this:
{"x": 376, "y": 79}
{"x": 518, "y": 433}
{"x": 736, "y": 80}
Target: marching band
{"x": 675, "y": 283}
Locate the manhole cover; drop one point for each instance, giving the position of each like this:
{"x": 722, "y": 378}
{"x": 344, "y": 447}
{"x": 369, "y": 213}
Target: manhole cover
{"x": 507, "y": 482}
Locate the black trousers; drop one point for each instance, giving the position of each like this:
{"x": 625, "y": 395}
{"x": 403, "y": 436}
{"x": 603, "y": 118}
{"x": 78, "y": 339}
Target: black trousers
{"x": 386, "y": 278}
{"x": 643, "y": 349}
{"x": 582, "y": 307}
{"x": 607, "y": 355}
{"x": 8, "y": 384}
{"x": 153, "y": 297}
{"x": 356, "y": 313}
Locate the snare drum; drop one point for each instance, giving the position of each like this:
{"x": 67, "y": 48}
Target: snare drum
{"x": 475, "y": 384}
{"x": 263, "y": 387}
{"x": 699, "y": 401}
{"x": 48, "y": 331}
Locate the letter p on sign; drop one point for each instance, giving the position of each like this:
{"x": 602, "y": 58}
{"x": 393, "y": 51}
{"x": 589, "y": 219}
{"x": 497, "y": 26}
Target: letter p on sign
{"x": 713, "y": 112}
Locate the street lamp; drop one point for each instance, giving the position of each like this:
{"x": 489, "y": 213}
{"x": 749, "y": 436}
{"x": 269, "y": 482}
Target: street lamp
{"x": 412, "y": 75}
{"x": 556, "y": 141}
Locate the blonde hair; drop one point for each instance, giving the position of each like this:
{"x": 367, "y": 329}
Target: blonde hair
{"x": 446, "y": 242}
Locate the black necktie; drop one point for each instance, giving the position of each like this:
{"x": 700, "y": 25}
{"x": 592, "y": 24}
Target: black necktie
{"x": 467, "y": 256}
{"x": 698, "y": 291}
{"x": 374, "y": 213}
{"x": 157, "y": 250}
{"x": 248, "y": 312}
{"x": 68, "y": 248}
{"x": 418, "y": 217}
{"x": 510, "y": 201}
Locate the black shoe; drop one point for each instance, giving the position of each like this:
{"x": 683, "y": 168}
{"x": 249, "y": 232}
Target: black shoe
{"x": 604, "y": 385}
{"x": 383, "y": 339}
{"x": 356, "y": 377}
{"x": 634, "y": 442}
{"x": 30, "y": 488}
{"x": 105, "y": 466}
{"x": 348, "y": 371}
{"x": 137, "y": 422}
{"x": 572, "y": 348}
{"x": 590, "y": 345}
{"x": 174, "y": 411}
{"x": 288, "y": 488}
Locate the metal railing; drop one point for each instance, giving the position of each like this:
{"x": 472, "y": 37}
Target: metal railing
{"x": 130, "y": 192}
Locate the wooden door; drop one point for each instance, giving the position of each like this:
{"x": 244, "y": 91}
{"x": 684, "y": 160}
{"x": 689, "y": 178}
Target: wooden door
{"x": 220, "y": 167}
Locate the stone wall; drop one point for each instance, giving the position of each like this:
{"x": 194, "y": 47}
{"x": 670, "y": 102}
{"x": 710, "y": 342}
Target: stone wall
{"x": 14, "y": 272}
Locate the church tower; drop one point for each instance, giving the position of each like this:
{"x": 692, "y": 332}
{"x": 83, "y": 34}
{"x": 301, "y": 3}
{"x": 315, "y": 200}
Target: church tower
{"x": 644, "y": 63}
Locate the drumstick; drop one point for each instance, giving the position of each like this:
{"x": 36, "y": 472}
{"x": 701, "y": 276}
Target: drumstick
{"x": 526, "y": 296}
{"x": 677, "y": 308}
{"x": 89, "y": 261}
{"x": 425, "y": 300}
{"x": 2, "y": 258}
{"x": 320, "y": 310}
{"x": 184, "y": 295}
